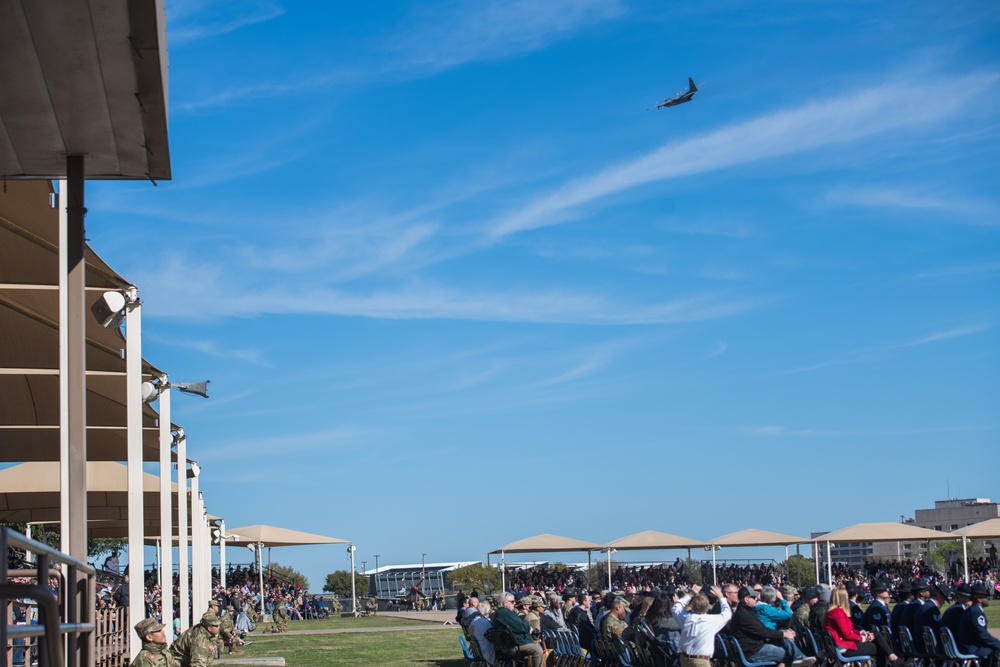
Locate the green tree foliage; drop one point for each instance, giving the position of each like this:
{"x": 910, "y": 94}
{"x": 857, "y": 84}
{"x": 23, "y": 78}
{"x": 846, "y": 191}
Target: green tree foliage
{"x": 951, "y": 550}
{"x": 475, "y": 577}
{"x": 47, "y": 535}
{"x": 800, "y": 569}
{"x": 285, "y": 573}
{"x": 339, "y": 582}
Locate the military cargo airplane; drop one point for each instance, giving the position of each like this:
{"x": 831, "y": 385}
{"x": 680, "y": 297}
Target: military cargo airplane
{"x": 680, "y": 98}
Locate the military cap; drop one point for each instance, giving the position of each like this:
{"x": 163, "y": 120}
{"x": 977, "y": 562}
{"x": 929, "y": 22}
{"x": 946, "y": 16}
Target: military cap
{"x": 148, "y": 626}
{"x": 569, "y": 594}
{"x": 622, "y": 601}
{"x": 789, "y": 592}
{"x": 918, "y": 585}
{"x": 964, "y": 590}
{"x": 536, "y": 601}
{"x": 879, "y": 586}
{"x": 213, "y": 603}
{"x": 851, "y": 588}
{"x": 210, "y": 618}
{"x": 942, "y": 589}
{"x": 811, "y": 592}
{"x": 904, "y": 587}
{"x": 979, "y": 590}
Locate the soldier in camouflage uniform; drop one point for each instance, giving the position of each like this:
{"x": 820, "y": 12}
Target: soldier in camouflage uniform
{"x": 154, "y": 651}
{"x": 371, "y": 607}
{"x": 280, "y": 616}
{"x": 569, "y": 601}
{"x": 614, "y": 623}
{"x": 337, "y": 607}
{"x": 227, "y": 631}
{"x": 196, "y": 646}
{"x": 533, "y": 617}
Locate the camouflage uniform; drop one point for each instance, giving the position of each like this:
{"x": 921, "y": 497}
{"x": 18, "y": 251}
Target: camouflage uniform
{"x": 280, "y": 616}
{"x": 612, "y": 626}
{"x": 227, "y": 631}
{"x": 817, "y": 615}
{"x": 372, "y": 606}
{"x": 152, "y": 655}
{"x": 531, "y": 616}
{"x": 196, "y": 646}
{"x": 801, "y": 616}
{"x": 155, "y": 655}
{"x": 337, "y": 607}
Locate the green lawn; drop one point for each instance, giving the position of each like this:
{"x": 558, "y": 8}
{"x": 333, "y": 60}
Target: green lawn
{"x": 427, "y": 648}
{"x": 344, "y": 623}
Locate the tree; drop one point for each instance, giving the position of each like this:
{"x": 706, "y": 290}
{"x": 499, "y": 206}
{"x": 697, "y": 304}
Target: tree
{"x": 947, "y": 552}
{"x": 800, "y": 569}
{"x": 50, "y": 536}
{"x": 339, "y": 582}
{"x": 289, "y": 574}
{"x": 475, "y": 577}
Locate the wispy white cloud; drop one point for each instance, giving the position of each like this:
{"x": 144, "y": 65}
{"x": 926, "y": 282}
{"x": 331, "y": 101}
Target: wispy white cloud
{"x": 191, "y": 21}
{"x": 786, "y": 432}
{"x": 209, "y": 348}
{"x": 951, "y": 208}
{"x": 946, "y": 335}
{"x": 959, "y": 270}
{"x": 859, "y": 115}
{"x": 188, "y": 299}
{"x": 718, "y": 349}
{"x": 437, "y": 39}
{"x": 880, "y": 352}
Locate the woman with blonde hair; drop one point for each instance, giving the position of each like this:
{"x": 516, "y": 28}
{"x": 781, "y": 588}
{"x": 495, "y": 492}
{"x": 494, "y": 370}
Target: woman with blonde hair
{"x": 838, "y": 623}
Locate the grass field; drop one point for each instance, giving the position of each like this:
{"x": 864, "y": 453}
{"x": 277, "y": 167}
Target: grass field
{"x": 427, "y": 648}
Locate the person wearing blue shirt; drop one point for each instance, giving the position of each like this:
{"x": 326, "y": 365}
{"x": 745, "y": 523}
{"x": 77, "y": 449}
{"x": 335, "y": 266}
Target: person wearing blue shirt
{"x": 973, "y": 635}
{"x": 877, "y": 614}
{"x": 772, "y": 610}
{"x": 953, "y": 615}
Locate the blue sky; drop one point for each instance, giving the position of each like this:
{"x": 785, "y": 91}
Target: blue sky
{"x": 437, "y": 254}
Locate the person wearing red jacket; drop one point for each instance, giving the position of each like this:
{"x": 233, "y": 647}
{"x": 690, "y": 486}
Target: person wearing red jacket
{"x": 853, "y": 642}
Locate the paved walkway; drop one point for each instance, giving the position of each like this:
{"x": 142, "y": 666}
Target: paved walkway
{"x": 435, "y": 620}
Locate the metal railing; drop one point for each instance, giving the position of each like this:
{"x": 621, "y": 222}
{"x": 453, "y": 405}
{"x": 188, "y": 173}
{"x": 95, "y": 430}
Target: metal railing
{"x": 62, "y": 618}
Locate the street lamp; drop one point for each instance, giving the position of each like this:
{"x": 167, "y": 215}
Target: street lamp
{"x": 377, "y": 591}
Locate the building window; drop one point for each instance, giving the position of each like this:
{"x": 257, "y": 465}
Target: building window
{"x": 954, "y": 526}
{"x": 937, "y": 527}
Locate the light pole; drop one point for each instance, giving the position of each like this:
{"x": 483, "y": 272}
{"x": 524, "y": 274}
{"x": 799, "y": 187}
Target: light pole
{"x": 377, "y": 591}
{"x": 354, "y": 594}
{"x": 363, "y": 563}
{"x": 422, "y": 575}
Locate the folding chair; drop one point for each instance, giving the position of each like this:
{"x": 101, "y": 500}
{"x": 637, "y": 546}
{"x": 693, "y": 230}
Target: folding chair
{"x": 909, "y": 651}
{"x": 836, "y": 653}
{"x": 952, "y": 656}
{"x": 739, "y": 659}
{"x": 931, "y": 646}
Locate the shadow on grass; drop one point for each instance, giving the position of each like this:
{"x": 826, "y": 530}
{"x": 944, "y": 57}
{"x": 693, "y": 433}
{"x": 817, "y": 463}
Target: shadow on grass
{"x": 456, "y": 662}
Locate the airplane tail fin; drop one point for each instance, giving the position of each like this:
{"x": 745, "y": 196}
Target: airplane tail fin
{"x": 691, "y": 87}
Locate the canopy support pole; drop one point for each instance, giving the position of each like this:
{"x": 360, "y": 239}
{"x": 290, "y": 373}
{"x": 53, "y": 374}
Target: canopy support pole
{"x": 609, "y": 568}
{"x": 965, "y": 556}
{"x": 166, "y": 516}
{"x": 503, "y": 572}
{"x": 829, "y": 565}
{"x": 816, "y": 559}
{"x": 133, "y": 421}
{"x": 715, "y": 574}
{"x": 489, "y": 571}
{"x": 798, "y": 567}
{"x": 222, "y": 553}
{"x": 260, "y": 574}
{"x": 182, "y": 531}
{"x": 589, "y": 568}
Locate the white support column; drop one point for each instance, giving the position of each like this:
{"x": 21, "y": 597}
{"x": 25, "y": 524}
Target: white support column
{"x": 260, "y": 574}
{"x": 829, "y": 565}
{"x": 198, "y": 605}
{"x": 222, "y": 553}
{"x": 64, "y": 524}
{"x": 133, "y": 387}
{"x": 182, "y": 531}
{"x": 166, "y": 516}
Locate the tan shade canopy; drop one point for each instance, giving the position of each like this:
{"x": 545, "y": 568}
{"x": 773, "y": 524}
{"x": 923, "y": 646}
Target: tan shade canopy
{"x": 84, "y": 77}
{"x": 30, "y": 492}
{"x": 988, "y": 528}
{"x": 653, "y": 539}
{"x": 547, "y": 543}
{"x": 752, "y": 537}
{"x": 29, "y": 340}
{"x": 272, "y": 536}
{"x": 888, "y": 531}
